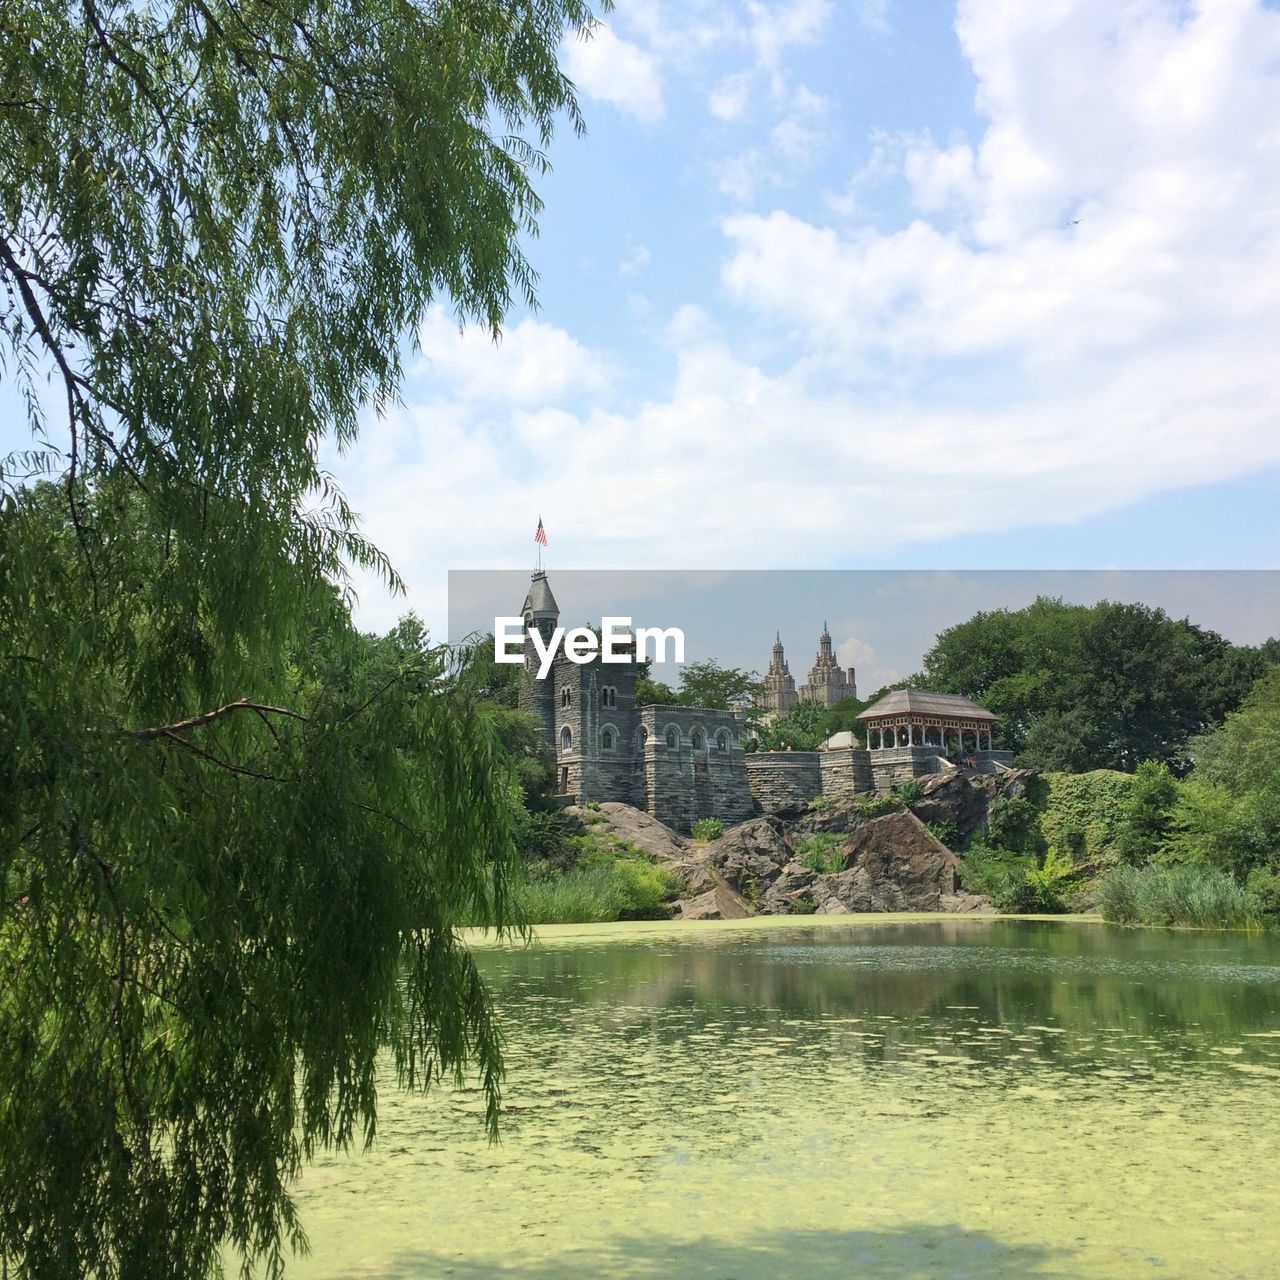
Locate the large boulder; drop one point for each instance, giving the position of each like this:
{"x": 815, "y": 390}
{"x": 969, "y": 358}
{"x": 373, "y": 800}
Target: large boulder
{"x": 634, "y": 825}
{"x": 719, "y": 902}
{"x": 890, "y": 864}
{"x": 957, "y": 799}
{"x": 838, "y": 817}
{"x": 748, "y": 858}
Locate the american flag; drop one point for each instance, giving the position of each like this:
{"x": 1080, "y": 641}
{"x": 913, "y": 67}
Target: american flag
{"x": 541, "y": 536}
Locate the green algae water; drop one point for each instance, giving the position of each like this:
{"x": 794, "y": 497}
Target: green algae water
{"x": 881, "y": 1097}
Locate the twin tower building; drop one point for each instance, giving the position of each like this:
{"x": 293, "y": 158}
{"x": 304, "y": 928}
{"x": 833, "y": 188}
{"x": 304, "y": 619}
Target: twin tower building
{"x": 828, "y": 681}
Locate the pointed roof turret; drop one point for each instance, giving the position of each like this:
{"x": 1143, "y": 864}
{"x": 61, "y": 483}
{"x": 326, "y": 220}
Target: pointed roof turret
{"x": 540, "y": 603}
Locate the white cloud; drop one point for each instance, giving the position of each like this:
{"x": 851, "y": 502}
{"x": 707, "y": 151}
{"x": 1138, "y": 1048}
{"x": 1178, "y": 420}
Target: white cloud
{"x": 531, "y": 363}
{"x": 729, "y": 98}
{"x": 618, "y": 72}
{"x": 774, "y": 28}
{"x": 874, "y": 14}
{"x": 635, "y": 259}
{"x": 992, "y": 364}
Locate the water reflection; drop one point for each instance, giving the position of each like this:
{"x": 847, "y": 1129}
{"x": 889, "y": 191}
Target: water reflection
{"x": 955, "y": 1097}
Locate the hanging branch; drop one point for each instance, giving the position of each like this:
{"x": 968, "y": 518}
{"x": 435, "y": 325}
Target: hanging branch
{"x": 208, "y": 717}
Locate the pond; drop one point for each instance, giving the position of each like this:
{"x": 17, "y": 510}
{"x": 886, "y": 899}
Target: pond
{"x": 879, "y": 1096}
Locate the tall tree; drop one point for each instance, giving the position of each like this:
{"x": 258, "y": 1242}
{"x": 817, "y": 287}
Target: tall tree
{"x": 1103, "y": 686}
{"x": 234, "y": 834}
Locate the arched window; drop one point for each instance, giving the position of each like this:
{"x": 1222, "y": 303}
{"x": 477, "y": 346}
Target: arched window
{"x": 673, "y": 738}
{"x": 566, "y": 697}
{"x": 722, "y": 741}
{"x": 608, "y": 696}
{"x": 606, "y": 740}
{"x": 699, "y": 742}
{"x": 566, "y": 739}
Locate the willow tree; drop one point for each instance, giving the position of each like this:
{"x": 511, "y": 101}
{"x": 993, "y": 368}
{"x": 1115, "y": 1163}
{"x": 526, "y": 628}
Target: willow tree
{"x": 234, "y": 834}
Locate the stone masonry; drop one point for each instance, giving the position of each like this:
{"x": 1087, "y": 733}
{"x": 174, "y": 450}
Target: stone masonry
{"x": 680, "y": 764}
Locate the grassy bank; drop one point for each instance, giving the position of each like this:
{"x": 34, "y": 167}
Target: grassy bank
{"x": 626, "y": 889}
{"x": 1192, "y": 894}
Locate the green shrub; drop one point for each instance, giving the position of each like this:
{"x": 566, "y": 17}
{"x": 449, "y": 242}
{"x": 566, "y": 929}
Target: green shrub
{"x": 1084, "y": 813}
{"x": 803, "y": 906}
{"x": 877, "y": 806}
{"x": 1044, "y": 887}
{"x": 819, "y": 803}
{"x": 945, "y": 833}
{"x": 910, "y": 792}
{"x": 708, "y": 829}
{"x": 581, "y": 896}
{"x": 820, "y": 853}
{"x": 998, "y": 873}
{"x": 1148, "y": 819}
{"x": 547, "y": 836}
{"x": 1013, "y": 823}
{"x": 1264, "y": 885}
{"x": 1187, "y": 894}
{"x": 627, "y": 890}
{"x": 644, "y": 889}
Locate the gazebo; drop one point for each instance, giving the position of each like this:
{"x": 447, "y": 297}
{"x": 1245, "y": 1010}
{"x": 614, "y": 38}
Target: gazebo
{"x": 946, "y": 722}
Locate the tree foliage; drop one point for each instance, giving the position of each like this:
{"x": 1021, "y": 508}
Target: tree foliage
{"x": 1098, "y": 687}
{"x": 1228, "y": 811}
{"x": 234, "y": 834}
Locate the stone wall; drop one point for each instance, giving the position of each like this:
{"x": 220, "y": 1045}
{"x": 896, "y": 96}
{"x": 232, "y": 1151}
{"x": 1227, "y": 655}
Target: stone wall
{"x": 846, "y": 772}
{"x": 892, "y": 767}
{"x": 693, "y": 766}
{"x": 784, "y": 782}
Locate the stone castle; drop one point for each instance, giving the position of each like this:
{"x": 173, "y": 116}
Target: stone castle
{"x": 681, "y": 763}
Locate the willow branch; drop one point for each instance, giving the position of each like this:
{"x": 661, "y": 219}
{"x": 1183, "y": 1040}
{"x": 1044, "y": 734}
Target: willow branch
{"x": 208, "y": 717}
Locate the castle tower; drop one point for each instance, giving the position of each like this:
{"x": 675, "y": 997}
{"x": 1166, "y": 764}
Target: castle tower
{"x": 828, "y": 682}
{"x": 779, "y": 686}
{"x": 540, "y": 613}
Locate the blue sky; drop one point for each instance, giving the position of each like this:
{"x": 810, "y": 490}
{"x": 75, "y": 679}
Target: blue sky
{"x": 870, "y": 284}
{"x": 853, "y": 285}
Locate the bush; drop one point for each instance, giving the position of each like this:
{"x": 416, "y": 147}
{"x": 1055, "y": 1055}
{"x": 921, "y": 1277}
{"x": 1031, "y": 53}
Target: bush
{"x": 945, "y": 833}
{"x": 1043, "y": 887}
{"x": 1015, "y": 882}
{"x": 1189, "y": 894}
{"x": 1084, "y": 813}
{"x": 910, "y": 793}
{"x": 1013, "y": 823}
{"x": 998, "y": 873}
{"x": 1148, "y": 814}
{"x": 877, "y": 806}
{"x": 644, "y": 889}
{"x": 1264, "y": 885}
{"x": 547, "y": 836}
{"x": 820, "y": 853}
{"x": 708, "y": 829}
{"x": 596, "y": 895}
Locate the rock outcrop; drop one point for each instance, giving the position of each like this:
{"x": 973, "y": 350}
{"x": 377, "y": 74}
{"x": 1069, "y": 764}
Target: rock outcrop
{"x": 748, "y": 858}
{"x": 626, "y": 823}
{"x": 961, "y": 800}
{"x": 717, "y": 903}
{"x": 890, "y": 863}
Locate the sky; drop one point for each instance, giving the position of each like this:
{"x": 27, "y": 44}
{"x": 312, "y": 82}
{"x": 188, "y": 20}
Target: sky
{"x": 882, "y": 622}
{"x": 848, "y": 284}
{"x": 873, "y": 284}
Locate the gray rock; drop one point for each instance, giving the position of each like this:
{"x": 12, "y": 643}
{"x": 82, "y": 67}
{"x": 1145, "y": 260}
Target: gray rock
{"x": 621, "y": 820}
{"x": 718, "y": 903}
{"x": 748, "y": 858}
